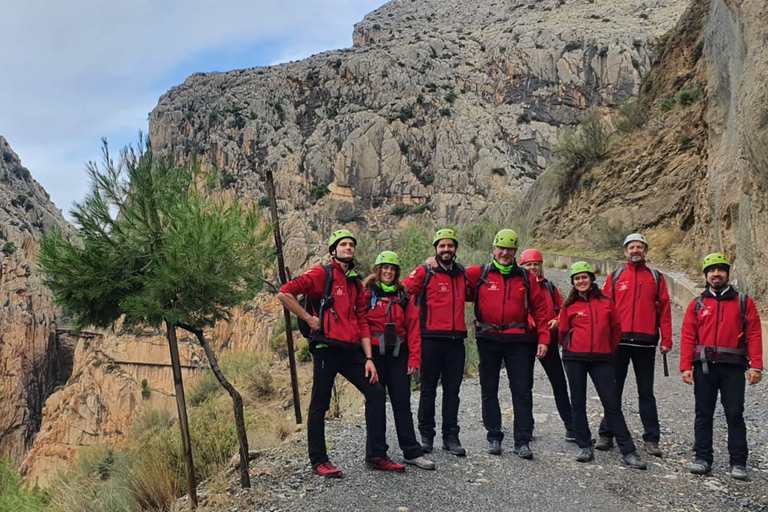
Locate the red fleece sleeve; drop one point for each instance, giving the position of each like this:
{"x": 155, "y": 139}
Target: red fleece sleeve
{"x": 360, "y": 310}
{"x": 310, "y": 283}
{"x": 414, "y": 282}
{"x": 564, "y": 326}
{"x": 615, "y": 327}
{"x": 665, "y": 310}
{"x": 538, "y": 309}
{"x": 607, "y": 287}
{"x": 688, "y": 337}
{"x": 473, "y": 276}
{"x": 414, "y": 334}
{"x": 754, "y": 336}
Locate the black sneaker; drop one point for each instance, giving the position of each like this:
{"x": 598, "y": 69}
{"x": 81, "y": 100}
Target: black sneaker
{"x": 453, "y": 445}
{"x": 604, "y": 443}
{"x": 633, "y": 460}
{"x": 738, "y": 472}
{"x": 586, "y": 455}
{"x": 427, "y": 444}
{"x": 700, "y": 467}
{"x": 494, "y": 447}
{"x": 524, "y": 452}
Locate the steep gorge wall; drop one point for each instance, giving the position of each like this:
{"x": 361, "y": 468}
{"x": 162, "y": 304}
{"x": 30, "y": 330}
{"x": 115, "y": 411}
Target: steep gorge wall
{"x": 446, "y": 110}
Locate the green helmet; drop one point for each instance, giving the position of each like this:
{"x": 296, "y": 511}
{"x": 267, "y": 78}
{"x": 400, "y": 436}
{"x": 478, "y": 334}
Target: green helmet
{"x": 387, "y": 258}
{"x": 579, "y": 267}
{"x": 337, "y": 236}
{"x": 506, "y": 238}
{"x": 443, "y": 234}
{"x": 716, "y": 258}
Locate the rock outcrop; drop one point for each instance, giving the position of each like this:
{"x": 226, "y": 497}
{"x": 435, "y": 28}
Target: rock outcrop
{"x": 32, "y": 360}
{"x": 443, "y": 108}
{"x": 695, "y": 176}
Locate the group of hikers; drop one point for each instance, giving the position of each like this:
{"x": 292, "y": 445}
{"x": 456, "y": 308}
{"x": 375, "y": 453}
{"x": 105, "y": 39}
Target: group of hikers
{"x": 378, "y": 331}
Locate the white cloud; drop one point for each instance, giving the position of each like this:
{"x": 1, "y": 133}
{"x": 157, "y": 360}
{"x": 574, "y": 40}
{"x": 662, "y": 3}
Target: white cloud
{"x": 74, "y": 71}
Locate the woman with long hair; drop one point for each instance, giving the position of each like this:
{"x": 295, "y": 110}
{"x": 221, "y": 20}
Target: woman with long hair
{"x": 590, "y": 331}
{"x": 396, "y": 340}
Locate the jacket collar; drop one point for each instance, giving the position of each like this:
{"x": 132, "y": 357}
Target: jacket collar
{"x": 639, "y": 266}
{"x": 729, "y": 292}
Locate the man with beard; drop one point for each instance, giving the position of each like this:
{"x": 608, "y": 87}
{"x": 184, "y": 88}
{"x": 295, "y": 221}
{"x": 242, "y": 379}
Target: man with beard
{"x": 440, "y": 293}
{"x": 505, "y": 295}
{"x": 339, "y": 329}
{"x": 642, "y": 301}
{"x": 721, "y": 338}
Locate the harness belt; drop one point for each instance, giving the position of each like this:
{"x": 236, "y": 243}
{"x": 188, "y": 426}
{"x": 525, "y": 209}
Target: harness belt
{"x": 704, "y": 349}
{"x": 501, "y": 327}
{"x": 383, "y": 343}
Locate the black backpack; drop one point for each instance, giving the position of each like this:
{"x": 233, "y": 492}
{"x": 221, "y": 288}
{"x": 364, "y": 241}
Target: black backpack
{"x": 742, "y": 306}
{"x": 318, "y": 306}
{"x": 551, "y": 289}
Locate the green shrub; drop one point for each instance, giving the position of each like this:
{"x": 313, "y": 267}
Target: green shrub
{"x": 145, "y": 389}
{"x": 14, "y": 495}
{"x": 499, "y": 171}
{"x": 608, "y": 236}
{"x": 667, "y": 104}
{"x": 376, "y": 202}
{"x": 445, "y": 112}
{"x": 451, "y": 97}
{"x": 400, "y": 209}
{"x": 688, "y": 96}
{"x": 318, "y": 191}
{"x": 202, "y": 388}
{"x": 573, "y": 45}
{"x": 9, "y": 248}
{"x": 632, "y": 116}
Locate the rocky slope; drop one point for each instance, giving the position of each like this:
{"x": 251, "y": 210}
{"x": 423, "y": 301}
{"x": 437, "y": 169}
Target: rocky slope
{"x": 444, "y": 109}
{"x": 695, "y": 176}
{"x": 32, "y": 360}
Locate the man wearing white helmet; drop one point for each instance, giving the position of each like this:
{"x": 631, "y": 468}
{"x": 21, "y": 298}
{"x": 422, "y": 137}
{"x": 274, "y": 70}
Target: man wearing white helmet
{"x": 642, "y": 300}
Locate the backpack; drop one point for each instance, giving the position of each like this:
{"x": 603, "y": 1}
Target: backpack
{"x": 484, "y": 273}
{"x": 402, "y": 300}
{"x": 429, "y": 273}
{"x": 318, "y": 306}
{"x": 551, "y": 289}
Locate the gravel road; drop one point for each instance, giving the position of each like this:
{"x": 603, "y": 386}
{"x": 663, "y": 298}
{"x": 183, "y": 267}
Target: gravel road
{"x": 552, "y": 481}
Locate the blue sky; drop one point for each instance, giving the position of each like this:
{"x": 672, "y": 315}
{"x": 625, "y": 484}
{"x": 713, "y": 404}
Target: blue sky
{"x": 74, "y": 71}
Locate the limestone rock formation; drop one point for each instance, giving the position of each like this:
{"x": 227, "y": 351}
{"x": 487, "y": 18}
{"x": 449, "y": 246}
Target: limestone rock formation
{"x": 32, "y": 360}
{"x": 443, "y": 108}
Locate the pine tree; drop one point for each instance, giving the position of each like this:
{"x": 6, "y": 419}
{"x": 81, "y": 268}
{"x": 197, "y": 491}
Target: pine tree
{"x": 158, "y": 245}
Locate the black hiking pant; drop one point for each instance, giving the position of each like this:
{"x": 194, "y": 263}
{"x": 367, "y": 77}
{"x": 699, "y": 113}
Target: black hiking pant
{"x": 518, "y": 358}
{"x": 328, "y": 362}
{"x": 441, "y": 360}
{"x": 553, "y": 367}
{"x": 728, "y": 379}
{"x": 602, "y": 375}
{"x": 393, "y": 375}
{"x": 644, "y": 364}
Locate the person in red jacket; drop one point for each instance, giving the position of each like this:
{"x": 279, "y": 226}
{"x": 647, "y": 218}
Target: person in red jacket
{"x": 440, "y": 293}
{"x": 590, "y": 331}
{"x": 394, "y": 323}
{"x": 642, "y": 300}
{"x": 532, "y": 260}
{"x": 339, "y": 331}
{"x": 721, "y": 337}
{"x": 505, "y": 295}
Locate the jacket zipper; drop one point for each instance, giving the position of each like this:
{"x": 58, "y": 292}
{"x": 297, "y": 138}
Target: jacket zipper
{"x": 634, "y": 303}
{"x": 717, "y": 320}
{"x": 591, "y": 328}
{"x": 453, "y": 305}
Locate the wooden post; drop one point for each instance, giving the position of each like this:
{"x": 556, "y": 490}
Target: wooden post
{"x": 284, "y": 279}
{"x": 181, "y": 404}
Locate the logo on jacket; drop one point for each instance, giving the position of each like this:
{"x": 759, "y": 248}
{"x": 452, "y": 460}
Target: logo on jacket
{"x": 581, "y": 313}
{"x": 623, "y": 286}
{"x": 493, "y": 287}
{"x": 339, "y": 291}
{"x": 443, "y": 288}
{"x": 706, "y": 312}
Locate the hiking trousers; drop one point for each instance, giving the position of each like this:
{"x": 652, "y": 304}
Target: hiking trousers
{"x": 553, "y": 367}
{"x": 441, "y": 360}
{"x": 327, "y": 363}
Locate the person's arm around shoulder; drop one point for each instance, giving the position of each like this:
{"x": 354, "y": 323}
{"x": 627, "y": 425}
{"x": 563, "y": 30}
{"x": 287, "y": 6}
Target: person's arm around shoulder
{"x": 473, "y": 276}
{"x": 307, "y": 283}
{"x": 754, "y": 343}
{"x": 539, "y": 313}
{"x": 665, "y": 319}
{"x": 688, "y": 336}
{"x": 414, "y": 281}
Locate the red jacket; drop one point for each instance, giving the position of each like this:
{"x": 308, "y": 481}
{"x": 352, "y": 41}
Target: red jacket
{"x": 441, "y": 305}
{"x": 554, "y": 304}
{"x": 643, "y": 315}
{"x": 590, "y": 329}
{"x": 719, "y": 324}
{"x": 500, "y": 309}
{"x": 388, "y": 308}
{"x": 348, "y": 326}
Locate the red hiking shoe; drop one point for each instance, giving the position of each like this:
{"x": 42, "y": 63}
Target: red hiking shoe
{"x": 326, "y": 469}
{"x": 384, "y": 464}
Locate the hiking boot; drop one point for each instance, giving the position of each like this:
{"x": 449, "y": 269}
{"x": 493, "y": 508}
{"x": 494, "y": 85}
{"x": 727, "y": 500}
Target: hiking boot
{"x": 524, "y": 452}
{"x": 427, "y": 444}
{"x": 652, "y": 448}
{"x": 570, "y": 436}
{"x": 326, "y": 469}
{"x": 738, "y": 472}
{"x": 633, "y": 460}
{"x": 384, "y": 464}
{"x": 604, "y": 443}
{"x": 700, "y": 467}
{"x": 421, "y": 462}
{"x": 453, "y": 445}
{"x": 586, "y": 455}
{"x": 494, "y": 447}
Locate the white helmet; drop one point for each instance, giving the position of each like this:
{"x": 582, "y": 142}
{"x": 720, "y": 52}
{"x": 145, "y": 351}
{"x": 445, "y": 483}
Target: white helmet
{"x": 635, "y": 237}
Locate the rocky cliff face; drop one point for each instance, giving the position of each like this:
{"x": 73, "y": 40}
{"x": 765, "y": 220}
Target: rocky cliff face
{"x": 32, "y": 360}
{"x": 444, "y": 109}
{"x": 694, "y": 177}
